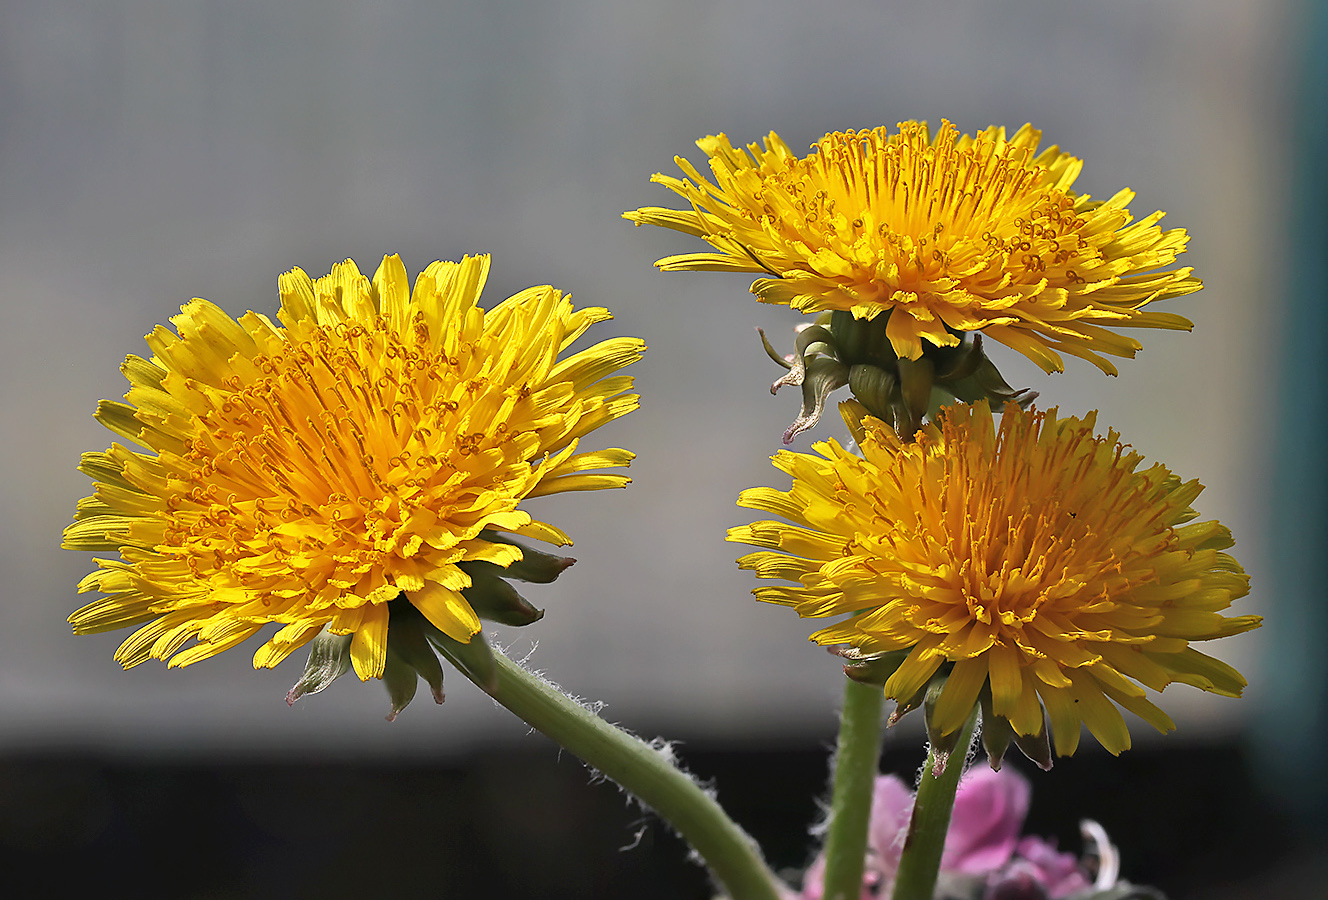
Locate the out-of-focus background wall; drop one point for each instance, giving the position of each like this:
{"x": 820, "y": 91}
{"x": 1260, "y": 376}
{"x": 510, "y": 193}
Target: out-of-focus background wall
{"x": 156, "y": 150}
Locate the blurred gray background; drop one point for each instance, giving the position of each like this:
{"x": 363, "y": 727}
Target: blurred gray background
{"x": 156, "y": 150}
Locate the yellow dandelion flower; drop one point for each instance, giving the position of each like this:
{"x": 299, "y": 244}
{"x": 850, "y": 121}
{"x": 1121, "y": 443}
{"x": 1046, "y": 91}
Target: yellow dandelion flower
{"x": 944, "y": 236}
{"x": 1034, "y": 560}
{"x": 376, "y": 443}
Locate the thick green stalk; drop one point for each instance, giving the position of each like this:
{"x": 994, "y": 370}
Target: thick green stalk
{"x": 732, "y": 856}
{"x": 921, "y": 859}
{"x": 856, "y": 758}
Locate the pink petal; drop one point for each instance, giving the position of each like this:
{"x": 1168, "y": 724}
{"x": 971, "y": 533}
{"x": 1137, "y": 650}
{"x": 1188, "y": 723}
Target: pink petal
{"x": 892, "y": 807}
{"x": 813, "y": 882}
{"x": 988, "y": 813}
{"x": 1058, "y": 873}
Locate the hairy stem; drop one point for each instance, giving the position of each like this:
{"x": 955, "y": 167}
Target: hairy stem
{"x": 732, "y": 857}
{"x": 921, "y": 859}
{"x": 855, "y": 776}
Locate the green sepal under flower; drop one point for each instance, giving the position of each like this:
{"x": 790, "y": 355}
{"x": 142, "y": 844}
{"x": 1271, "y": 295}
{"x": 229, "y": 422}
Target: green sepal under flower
{"x": 838, "y": 349}
{"x": 534, "y": 566}
{"x": 943, "y": 743}
{"x": 493, "y": 598}
{"x": 409, "y": 657}
{"x": 997, "y": 732}
{"x": 412, "y": 640}
{"x": 329, "y": 659}
{"x": 869, "y": 668}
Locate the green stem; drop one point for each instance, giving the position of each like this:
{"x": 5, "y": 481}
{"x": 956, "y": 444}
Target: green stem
{"x": 855, "y": 778}
{"x": 921, "y": 859}
{"x": 732, "y": 856}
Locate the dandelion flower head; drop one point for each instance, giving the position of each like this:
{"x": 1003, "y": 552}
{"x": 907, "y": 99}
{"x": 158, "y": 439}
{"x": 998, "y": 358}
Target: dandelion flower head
{"x": 308, "y": 472}
{"x": 1033, "y": 560}
{"x": 943, "y": 235}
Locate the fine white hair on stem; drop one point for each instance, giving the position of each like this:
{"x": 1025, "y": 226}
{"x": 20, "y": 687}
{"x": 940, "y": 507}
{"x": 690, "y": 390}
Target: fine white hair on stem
{"x": 663, "y": 747}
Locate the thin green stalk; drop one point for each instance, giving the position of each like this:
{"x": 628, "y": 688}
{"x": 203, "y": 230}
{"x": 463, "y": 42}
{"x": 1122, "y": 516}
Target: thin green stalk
{"x": 921, "y": 859}
{"x": 732, "y": 856}
{"x": 855, "y": 778}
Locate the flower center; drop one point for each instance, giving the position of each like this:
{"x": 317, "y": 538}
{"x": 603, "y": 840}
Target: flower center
{"x": 929, "y": 211}
{"x": 348, "y": 450}
{"x": 1018, "y": 557}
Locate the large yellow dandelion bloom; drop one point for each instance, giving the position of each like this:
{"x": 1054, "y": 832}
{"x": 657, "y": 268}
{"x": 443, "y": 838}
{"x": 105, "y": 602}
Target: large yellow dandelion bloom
{"x": 1035, "y": 560}
{"x": 944, "y": 235}
{"x": 307, "y": 473}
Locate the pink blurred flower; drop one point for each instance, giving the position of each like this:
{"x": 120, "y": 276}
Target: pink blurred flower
{"x": 892, "y": 804}
{"x": 989, "y": 810}
{"x": 982, "y": 847}
{"x": 1037, "y": 871}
